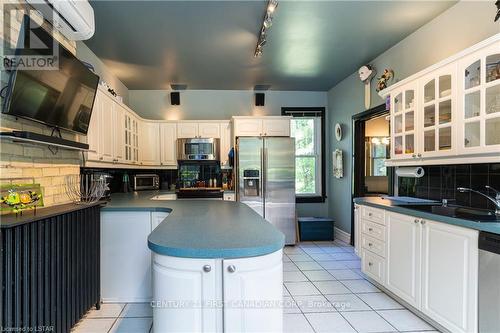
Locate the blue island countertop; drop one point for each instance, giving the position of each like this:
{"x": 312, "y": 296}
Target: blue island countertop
{"x": 203, "y": 228}
{"x": 398, "y": 206}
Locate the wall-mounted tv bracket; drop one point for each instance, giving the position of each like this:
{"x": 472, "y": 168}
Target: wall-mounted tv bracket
{"x": 57, "y": 133}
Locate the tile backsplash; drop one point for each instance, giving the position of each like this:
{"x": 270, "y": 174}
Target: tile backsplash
{"x": 441, "y": 182}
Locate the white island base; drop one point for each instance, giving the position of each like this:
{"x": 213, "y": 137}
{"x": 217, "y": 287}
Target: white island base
{"x": 218, "y": 295}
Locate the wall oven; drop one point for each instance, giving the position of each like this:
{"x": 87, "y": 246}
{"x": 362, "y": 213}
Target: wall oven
{"x": 198, "y": 149}
{"x": 143, "y": 182}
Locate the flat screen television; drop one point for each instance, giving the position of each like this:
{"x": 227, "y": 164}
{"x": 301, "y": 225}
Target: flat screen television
{"x": 61, "y": 98}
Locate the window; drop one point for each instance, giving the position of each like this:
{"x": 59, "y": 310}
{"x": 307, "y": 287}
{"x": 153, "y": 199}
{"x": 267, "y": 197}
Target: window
{"x": 307, "y": 127}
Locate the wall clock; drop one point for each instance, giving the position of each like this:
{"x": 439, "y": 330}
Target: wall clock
{"x": 338, "y": 132}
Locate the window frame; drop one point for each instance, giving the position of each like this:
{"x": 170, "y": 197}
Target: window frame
{"x": 318, "y": 113}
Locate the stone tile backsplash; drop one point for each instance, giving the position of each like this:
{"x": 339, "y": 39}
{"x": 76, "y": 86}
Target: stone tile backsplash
{"x": 441, "y": 182}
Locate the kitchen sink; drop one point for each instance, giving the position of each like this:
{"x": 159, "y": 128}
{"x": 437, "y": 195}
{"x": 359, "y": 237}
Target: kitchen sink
{"x": 466, "y": 213}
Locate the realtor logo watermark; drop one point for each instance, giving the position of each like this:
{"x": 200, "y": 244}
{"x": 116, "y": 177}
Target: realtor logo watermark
{"x": 26, "y": 45}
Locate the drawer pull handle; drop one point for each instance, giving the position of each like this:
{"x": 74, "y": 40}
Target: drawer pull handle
{"x": 370, "y": 244}
{"x": 231, "y": 268}
{"x": 370, "y": 229}
{"x": 207, "y": 268}
{"x": 370, "y": 214}
{"x": 370, "y": 264}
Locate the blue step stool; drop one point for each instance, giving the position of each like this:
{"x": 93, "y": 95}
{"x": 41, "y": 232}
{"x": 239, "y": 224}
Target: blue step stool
{"x": 316, "y": 228}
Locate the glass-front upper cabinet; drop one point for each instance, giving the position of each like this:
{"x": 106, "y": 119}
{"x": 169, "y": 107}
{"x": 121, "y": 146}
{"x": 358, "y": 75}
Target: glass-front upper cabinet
{"x": 403, "y": 122}
{"x": 437, "y": 112}
{"x": 131, "y": 138}
{"x": 479, "y": 101}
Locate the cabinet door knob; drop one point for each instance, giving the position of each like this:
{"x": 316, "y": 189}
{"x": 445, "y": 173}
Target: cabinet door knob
{"x": 422, "y": 221}
{"x": 370, "y": 264}
{"x": 231, "y": 268}
{"x": 370, "y": 214}
{"x": 370, "y": 229}
{"x": 413, "y": 155}
{"x": 419, "y": 155}
{"x": 207, "y": 268}
{"x": 370, "y": 244}
{"x": 416, "y": 221}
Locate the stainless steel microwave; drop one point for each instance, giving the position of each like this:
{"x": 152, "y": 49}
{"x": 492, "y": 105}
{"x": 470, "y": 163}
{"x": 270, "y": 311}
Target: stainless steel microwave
{"x": 146, "y": 182}
{"x": 198, "y": 149}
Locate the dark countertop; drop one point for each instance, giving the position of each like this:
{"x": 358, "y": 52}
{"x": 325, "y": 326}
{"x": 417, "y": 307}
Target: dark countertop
{"x": 10, "y": 220}
{"x": 203, "y": 228}
{"x": 399, "y": 207}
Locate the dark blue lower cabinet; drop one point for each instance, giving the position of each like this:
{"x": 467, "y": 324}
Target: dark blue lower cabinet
{"x": 50, "y": 272}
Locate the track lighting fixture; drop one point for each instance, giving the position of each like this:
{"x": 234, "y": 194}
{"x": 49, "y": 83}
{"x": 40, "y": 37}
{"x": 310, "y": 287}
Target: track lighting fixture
{"x": 267, "y": 22}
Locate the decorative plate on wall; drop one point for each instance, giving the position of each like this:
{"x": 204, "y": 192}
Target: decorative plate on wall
{"x": 338, "y": 131}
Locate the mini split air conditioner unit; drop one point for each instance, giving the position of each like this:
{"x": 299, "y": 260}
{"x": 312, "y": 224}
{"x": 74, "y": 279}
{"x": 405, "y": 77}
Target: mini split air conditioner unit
{"x": 73, "y": 18}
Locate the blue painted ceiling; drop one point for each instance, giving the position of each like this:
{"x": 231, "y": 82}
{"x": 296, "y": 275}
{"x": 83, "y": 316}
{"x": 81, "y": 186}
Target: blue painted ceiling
{"x": 312, "y": 45}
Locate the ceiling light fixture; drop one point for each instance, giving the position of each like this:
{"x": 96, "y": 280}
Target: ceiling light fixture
{"x": 267, "y": 22}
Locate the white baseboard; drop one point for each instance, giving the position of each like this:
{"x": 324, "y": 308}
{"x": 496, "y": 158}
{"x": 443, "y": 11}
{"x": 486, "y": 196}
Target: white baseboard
{"x": 342, "y": 235}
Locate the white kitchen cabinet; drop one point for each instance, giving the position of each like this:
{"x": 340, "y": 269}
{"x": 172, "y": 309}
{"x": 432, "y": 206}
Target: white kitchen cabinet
{"x": 198, "y": 130}
{"x": 373, "y": 266}
{"x": 225, "y": 142}
{"x": 168, "y": 143}
{"x": 403, "y": 257}
{"x": 261, "y": 126}
{"x": 276, "y": 127}
{"x": 253, "y": 280}
{"x": 94, "y": 132}
{"x": 209, "y": 130}
{"x": 131, "y": 138}
{"x": 437, "y": 112}
{"x": 149, "y": 143}
{"x": 118, "y": 133}
{"x": 193, "y": 288}
{"x": 479, "y": 101}
{"x": 125, "y": 257}
{"x": 107, "y": 128}
{"x": 450, "y": 275}
{"x": 241, "y": 283}
{"x": 357, "y": 230}
{"x": 187, "y": 130}
{"x": 403, "y": 121}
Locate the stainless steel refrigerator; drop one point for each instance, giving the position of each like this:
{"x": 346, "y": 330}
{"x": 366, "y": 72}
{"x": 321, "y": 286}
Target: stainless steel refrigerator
{"x": 266, "y": 180}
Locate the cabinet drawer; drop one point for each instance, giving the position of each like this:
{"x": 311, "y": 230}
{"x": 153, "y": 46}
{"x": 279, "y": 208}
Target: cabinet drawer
{"x": 374, "y": 245}
{"x": 373, "y": 266}
{"x": 373, "y": 229}
{"x": 373, "y": 214}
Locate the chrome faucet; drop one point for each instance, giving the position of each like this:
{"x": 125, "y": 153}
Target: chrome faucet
{"x": 495, "y": 200}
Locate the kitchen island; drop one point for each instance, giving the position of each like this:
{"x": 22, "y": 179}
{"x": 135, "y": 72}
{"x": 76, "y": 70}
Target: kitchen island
{"x": 216, "y": 265}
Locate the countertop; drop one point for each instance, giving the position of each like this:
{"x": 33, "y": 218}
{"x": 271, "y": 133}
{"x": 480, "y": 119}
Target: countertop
{"x": 398, "y": 207}
{"x": 203, "y": 228}
{"x": 42, "y": 213}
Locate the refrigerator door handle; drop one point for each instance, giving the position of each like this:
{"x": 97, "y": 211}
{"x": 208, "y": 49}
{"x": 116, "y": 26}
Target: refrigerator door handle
{"x": 263, "y": 181}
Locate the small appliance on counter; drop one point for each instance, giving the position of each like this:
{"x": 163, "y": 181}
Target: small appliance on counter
{"x": 146, "y": 181}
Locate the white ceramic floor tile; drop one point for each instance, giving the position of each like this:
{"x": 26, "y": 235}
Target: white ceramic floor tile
{"x": 296, "y": 323}
{"x": 349, "y": 249}
{"x": 359, "y": 272}
{"x": 320, "y": 256}
{"x": 352, "y": 263}
{"x": 316, "y": 303}
{"x": 294, "y": 277}
{"x": 360, "y": 286}
{"x": 108, "y": 310}
{"x": 290, "y": 305}
{"x": 332, "y": 264}
{"x": 137, "y": 310}
{"x": 285, "y": 291}
{"x": 299, "y": 257}
{"x": 304, "y": 245}
{"x": 301, "y": 288}
{"x": 89, "y": 325}
{"x": 331, "y": 287}
{"x": 368, "y": 322}
{"x": 329, "y": 322}
{"x": 293, "y": 250}
{"x": 313, "y": 250}
{"x": 308, "y": 266}
{"x": 286, "y": 259}
{"x": 344, "y": 256}
{"x": 345, "y": 274}
{"x": 320, "y": 275}
{"x": 347, "y": 302}
{"x": 132, "y": 325}
{"x": 404, "y": 320}
{"x": 289, "y": 267}
{"x": 333, "y": 249}
{"x": 380, "y": 301}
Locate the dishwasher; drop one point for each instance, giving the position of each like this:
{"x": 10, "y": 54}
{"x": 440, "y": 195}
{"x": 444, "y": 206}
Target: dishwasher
{"x": 489, "y": 282}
